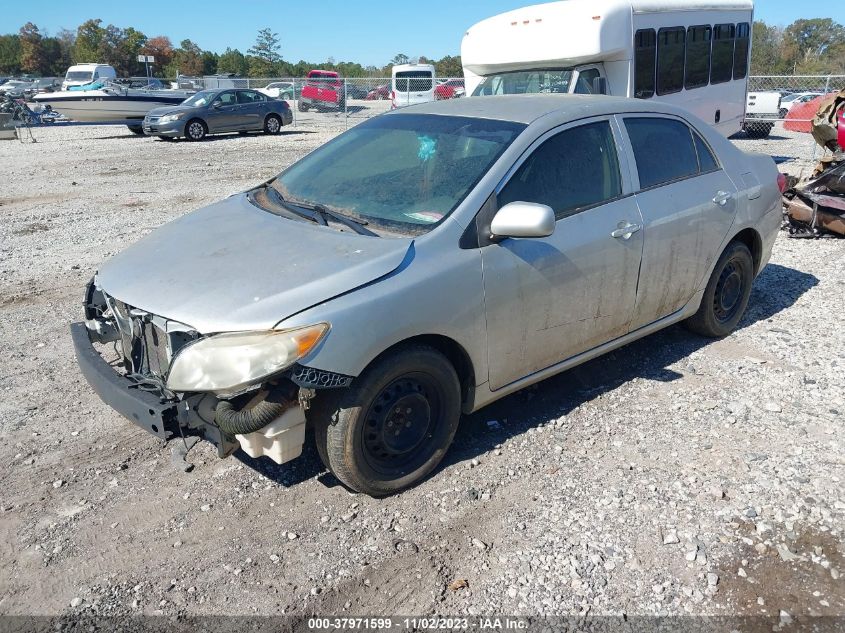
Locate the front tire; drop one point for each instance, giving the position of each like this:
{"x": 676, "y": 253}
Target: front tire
{"x": 195, "y": 130}
{"x": 272, "y": 124}
{"x": 137, "y": 130}
{"x": 726, "y": 295}
{"x": 393, "y": 426}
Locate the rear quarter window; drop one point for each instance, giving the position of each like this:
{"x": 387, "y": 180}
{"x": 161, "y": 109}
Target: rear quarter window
{"x": 663, "y": 149}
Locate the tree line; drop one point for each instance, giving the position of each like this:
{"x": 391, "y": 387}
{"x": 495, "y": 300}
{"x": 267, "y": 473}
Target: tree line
{"x": 32, "y": 52}
{"x": 807, "y": 46}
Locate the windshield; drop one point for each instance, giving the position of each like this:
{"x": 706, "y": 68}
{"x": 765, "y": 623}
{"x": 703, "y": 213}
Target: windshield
{"x": 79, "y": 75}
{"x": 200, "y": 99}
{"x": 402, "y": 172}
{"x": 525, "y": 82}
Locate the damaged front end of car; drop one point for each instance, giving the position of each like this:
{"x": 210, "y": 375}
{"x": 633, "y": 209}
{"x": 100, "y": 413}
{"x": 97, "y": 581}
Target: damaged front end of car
{"x": 234, "y": 390}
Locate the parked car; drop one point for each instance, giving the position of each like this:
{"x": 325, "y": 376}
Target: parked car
{"x": 215, "y": 111}
{"x": 354, "y": 90}
{"x": 450, "y": 89}
{"x": 323, "y": 89}
{"x": 379, "y": 93}
{"x": 423, "y": 264}
{"x": 279, "y": 90}
{"x": 790, "y": 101}
{"x": 17, "y": 88}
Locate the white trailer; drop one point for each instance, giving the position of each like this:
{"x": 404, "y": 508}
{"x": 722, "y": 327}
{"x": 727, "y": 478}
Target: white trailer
{"x": 689, "y": 53}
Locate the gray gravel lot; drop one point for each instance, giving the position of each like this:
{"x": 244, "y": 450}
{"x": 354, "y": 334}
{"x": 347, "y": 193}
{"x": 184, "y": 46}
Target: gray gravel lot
{"x": 676, "y": 475}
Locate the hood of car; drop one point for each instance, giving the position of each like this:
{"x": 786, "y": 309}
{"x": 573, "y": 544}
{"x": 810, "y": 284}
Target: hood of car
{"x": 164, "y": 110}
{"x": 232, "y": 266}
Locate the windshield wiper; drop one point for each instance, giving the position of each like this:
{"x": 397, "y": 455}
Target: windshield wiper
{"x": 320, "y": 214}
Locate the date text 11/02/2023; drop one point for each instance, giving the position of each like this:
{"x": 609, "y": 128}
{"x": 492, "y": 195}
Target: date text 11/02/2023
{"x": 493, "y": 623}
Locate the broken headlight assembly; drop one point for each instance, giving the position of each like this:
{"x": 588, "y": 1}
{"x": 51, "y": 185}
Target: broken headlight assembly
{"x": 229, "y": 363}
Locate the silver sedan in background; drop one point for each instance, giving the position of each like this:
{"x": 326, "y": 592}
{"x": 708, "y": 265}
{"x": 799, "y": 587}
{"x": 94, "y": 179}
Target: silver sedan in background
{"x": 216, "y": 111}
{"x": 423, "y": 264}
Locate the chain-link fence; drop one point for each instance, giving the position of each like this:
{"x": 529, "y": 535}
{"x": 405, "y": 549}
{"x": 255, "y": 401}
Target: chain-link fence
{"x": 785, "y": 102}
{"x": 328, "y": 101}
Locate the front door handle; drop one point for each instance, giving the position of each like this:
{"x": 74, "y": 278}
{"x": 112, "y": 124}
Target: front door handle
{"x": 721, "y": 198}
{"x": 626, "y": 231}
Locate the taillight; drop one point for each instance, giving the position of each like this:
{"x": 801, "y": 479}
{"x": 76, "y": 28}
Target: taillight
{"x": 781, "y": 182}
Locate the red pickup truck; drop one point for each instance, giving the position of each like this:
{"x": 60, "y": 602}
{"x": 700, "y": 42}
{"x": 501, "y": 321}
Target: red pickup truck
{"x": 323, "y": 89}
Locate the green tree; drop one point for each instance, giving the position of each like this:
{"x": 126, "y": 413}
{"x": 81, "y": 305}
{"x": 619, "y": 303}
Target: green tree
{"x": 187, "y": 60}
{"x": 32, "y": 58}
{"x": 813, "y": 45}
{"x": 449, "y": 66}
{"x": 266, "y": 46}
{"x": 209, "y": 62}
{"x": 766, "y": 49}
{"x": 399, "y": 58}
{"x": 86, "y": 46}
{"x": 10, "y": 54}
{"x": 232, "y": 61}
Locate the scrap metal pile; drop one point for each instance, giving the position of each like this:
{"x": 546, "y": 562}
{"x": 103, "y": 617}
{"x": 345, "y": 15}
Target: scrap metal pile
{"x": 817, "y": 208}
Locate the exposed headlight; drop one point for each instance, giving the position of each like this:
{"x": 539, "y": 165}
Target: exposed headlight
{"x": 169, "y": 118}
{"x": 228, "y": 363}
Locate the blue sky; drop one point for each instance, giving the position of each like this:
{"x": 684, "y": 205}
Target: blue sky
{"x": 370, "y": 32}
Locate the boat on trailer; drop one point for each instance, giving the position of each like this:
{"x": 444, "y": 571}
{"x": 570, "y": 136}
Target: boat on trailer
{"x": 110, "y": 103}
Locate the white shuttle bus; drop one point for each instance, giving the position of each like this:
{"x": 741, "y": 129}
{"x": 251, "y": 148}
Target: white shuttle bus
{"x": 691, "y": 53}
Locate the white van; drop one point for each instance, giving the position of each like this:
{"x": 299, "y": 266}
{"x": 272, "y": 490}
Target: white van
{"x": 412, "y": 83}
{"x": 692, "y": 53}
{"x": 82, "y": 74}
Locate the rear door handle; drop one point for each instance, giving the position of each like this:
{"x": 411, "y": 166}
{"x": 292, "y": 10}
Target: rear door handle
{"x": 721, "y": 198}
{"x": 626, "y": 231}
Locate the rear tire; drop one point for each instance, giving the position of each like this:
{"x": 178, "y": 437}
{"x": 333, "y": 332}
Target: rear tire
{"x": 758, "y": 130}
{"x": 394, "y": 425}
{"x": 137, "y": 130}
{"x": 195, "y": 130}
{"x": 726, "y": 295}
{"x": 272, "y": 124}
{"x": 301, "y": 106}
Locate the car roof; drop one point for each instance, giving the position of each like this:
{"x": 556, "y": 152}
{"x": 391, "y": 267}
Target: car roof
{"x": 530, "y": 107}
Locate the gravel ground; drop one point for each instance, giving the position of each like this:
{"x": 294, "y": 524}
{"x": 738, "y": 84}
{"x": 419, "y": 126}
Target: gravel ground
{"x": 674, "y": 476}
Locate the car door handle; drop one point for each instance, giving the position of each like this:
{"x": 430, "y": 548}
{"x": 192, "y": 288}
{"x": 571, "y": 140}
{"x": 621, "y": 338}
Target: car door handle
{"x": 626, "y": 231}
{"x": 721, "y": 198}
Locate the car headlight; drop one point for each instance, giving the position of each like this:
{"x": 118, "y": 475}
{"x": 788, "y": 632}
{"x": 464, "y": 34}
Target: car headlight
{"x": 227, "y": 363}
{"x": 169, "y": 118}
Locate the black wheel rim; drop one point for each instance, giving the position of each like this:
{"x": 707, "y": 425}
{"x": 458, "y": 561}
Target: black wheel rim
{"x": 402, "y": 424}
{"x": 729, "y": 289}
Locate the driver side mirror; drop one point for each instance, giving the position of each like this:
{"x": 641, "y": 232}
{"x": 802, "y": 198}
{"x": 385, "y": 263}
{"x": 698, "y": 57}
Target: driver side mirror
{"x": 217, "y": 105}
{"x": 523, "y": 219}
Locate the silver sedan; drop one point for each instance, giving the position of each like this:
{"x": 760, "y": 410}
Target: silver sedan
{"x": 423, "y": 264}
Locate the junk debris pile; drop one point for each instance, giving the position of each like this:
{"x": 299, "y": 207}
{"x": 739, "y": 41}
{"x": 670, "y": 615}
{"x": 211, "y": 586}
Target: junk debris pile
{"x": 817, "y": 207}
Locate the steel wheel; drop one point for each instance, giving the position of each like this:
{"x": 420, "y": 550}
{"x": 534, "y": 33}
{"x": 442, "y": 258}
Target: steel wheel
{"x": 726, "y": 295}
{"x": 401, "y": 424}
{"x": 393, "y": 425}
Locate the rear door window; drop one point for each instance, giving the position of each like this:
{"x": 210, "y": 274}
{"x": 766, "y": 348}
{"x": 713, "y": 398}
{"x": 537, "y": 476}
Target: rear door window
{"x": 663, "y": 149}
{"x": 414, "y": 81}
{"x": 249, "y": 96}
{"x": 573, "y": 170}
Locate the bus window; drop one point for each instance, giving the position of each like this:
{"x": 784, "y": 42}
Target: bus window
{"x": 743, "y": 33}
{"x": 723, "y": 53}
{"x": 670, "y": 59}
{"x": 645, "y": 56}
{"x": 698, "y": 56}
